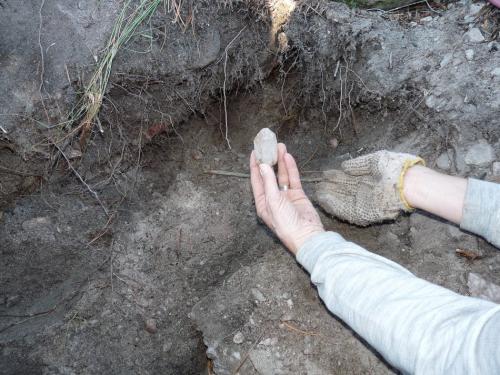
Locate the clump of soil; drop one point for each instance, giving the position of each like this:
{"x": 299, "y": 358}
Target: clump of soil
{"x": 142, "y": 254}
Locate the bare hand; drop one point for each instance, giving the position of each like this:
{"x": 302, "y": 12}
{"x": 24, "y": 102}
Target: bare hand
{"x": 288, "y": 212}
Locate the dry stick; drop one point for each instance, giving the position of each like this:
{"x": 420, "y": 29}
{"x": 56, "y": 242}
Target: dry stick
{"x": 246, "y": 175}
{"x": 224, "y": 85}
{"x": 42, "y": 59}
{"x": 18, "y": 173}
{"x": 248, "y": 353}
{"x": 93, "y": 192}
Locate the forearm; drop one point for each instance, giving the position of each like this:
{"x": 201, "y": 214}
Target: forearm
{"x": 434, "y": 192}
{"x": 418, "y": 327}
{"x": 473, "y": 204}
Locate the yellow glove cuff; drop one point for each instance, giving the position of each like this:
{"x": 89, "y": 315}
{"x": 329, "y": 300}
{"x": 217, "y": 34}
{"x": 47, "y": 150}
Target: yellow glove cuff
{"x": 407, "y": 165}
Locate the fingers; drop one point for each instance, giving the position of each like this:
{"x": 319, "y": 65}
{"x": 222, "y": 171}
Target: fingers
{"x": 293, "y": 172}
{"x": 257, "y": 187}
{"x": 362, "y": 165}
{"x": 271, "y": 189}
{"x": 282, "y": 169}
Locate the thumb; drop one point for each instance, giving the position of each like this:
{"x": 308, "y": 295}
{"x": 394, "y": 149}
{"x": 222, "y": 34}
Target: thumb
{"x": 271, "y": 189}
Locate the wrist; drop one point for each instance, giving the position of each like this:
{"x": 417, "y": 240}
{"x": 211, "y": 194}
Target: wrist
{"x": 301, "y": 238}
{"x": 413, "y": 185}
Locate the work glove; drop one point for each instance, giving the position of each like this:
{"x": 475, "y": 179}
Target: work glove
{"x": 368, "y": 189}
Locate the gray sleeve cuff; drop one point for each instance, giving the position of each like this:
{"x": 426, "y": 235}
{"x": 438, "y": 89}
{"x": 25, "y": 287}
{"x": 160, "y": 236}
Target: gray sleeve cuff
{"x": 311, "y": 250}
{"x": 481, "y": 213}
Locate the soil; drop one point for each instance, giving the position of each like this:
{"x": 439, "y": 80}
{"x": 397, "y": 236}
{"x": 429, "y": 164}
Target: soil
{"x": 181, "y": 265}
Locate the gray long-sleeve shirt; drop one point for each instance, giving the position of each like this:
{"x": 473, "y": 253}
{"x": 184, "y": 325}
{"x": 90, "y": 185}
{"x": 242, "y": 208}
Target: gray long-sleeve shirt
{"x": 417, "y": 326}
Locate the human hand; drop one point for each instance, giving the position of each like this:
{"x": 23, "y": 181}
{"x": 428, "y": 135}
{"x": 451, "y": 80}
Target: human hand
{"x": 286, "y": 211}
{"x": 368, "y": 189}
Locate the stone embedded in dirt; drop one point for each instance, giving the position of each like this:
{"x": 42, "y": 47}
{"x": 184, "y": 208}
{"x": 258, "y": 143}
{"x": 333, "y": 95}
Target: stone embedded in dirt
{"x": 469, "y": 54}
{"x": 480, "y": 155}
{"x": 266, "y": 147}
{"x": 258, "y": 295}
{"x": 443, "y": 161}
{"x": 238, "y": 338}
{"x": 481, "y": 288}
{"x": 474, "y": 35}
{"x": 150, "y": 326}
{"x": 495, "y": 169}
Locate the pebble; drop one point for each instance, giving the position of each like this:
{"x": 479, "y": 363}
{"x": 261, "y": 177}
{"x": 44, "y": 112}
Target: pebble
{"x": 493, "y": 46}
{"x": 258, "y": 295}
{"x": 443, "y": 161}
{"x": 446, "y": 60}
{"x": 150, "y": 326}
{"x": 238, "y": 338}
{"x": 469, "y": 54}
{"x": 496, "y": 72}
{"x": 495, "y": 169}
{"x": 426, "y": 19}
{"x": 480, "y": 155}
{"x": 334, "y": 142}
{"x": 266, "y": 147}
{"x": 474, "y": 35}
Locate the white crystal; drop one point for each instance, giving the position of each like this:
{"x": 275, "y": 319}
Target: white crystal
{"x": 266, "y": 147}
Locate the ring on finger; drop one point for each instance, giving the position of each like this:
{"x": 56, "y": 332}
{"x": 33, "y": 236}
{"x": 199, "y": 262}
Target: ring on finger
{"x": 283, "y": 187}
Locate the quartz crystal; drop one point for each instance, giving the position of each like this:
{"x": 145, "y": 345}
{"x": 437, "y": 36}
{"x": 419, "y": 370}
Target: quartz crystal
{"x": 266, "y": 147}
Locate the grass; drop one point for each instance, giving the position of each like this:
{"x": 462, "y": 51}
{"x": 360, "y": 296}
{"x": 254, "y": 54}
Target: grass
{"x": 87, "y": 109}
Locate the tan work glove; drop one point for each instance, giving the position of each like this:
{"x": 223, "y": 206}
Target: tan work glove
{"x": 369, "y": 189}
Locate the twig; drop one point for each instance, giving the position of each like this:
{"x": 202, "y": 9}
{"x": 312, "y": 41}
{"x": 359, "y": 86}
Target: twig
{"x": 298, "y": 330}
{"x": 93, "y": 192}
{"x": 246, "y": 175}
{"x": 248, "y": 353}
{"x": 224, "y": 84}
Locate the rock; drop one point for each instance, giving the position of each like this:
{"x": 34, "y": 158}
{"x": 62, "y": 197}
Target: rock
{"x": 474, "y": 9}
{"x": 474, "y": 35}
{"x": 443, "y": 161}
{"x": 480, "y": 155}
{"x": 479, "y": 287}
{"x": 266, "y": 147}
{"x": 446, "y": 60}
{"x": 496, "y": 72}
{"x": 238, "y": 338}
{"x": 150, "y": 326}
{"x": 258, "y": 295}
{"x": 469, "y": 54}
{"x": 334, "y": 142}
{"x": 426, "y": 19}
{"x": 495, "y": 169}
{"x": 493, "y": 46}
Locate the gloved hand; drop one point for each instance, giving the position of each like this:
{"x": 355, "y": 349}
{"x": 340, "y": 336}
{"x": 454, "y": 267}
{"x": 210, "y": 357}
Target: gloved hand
{"x": 368, "y": 189}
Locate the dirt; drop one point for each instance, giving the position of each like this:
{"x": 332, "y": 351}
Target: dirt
{"x": 181, "y": 264}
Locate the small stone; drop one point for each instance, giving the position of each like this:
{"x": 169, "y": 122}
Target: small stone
{"x": 443, "y": 161}
{"x": 480, "y": 155}
{"x": 474, "y": 35}
{"x": 493, "y": 46}
{"x": 495, "y": 169}
{"x": 469, "y": 54}
{"x": 238, "y": 338}
{"x": 446, "y": 60}
{"x": 426, "y": 19}
{"x": 196, "y": 154}
{"x": 496, "y": 72}
{"x": 474, "y": 9}
{"x": 258, "y": 295}
{"x": 150, "y": 326}
{"x": 481, "y": 288}
{"x": 334, "y": 142}
{"x": 266, "y": 147}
